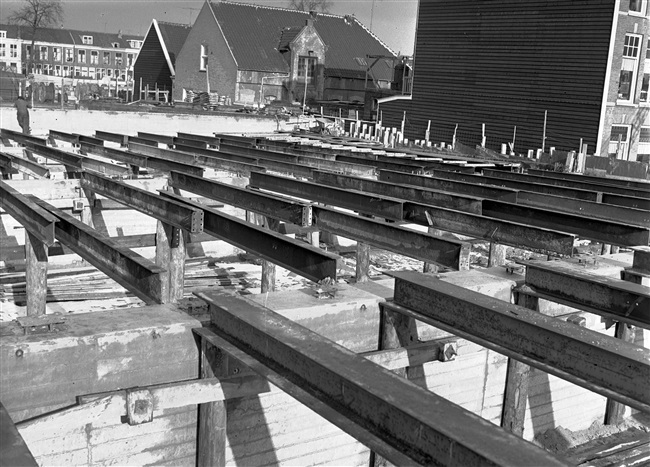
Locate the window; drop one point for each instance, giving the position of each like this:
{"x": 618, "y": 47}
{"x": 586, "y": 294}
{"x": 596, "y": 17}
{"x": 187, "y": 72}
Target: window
{"x": 56, "y": 54}
{"x": 109, "y": 72}
{"x": 13, "y": 50}
{"x": 43, "y": 55}
{"x": 66, "y": 70}
{"x": 39, "y": 69}
{"x": 98, "y": 73}
{"x": 645, "y": 84}
{"x": 629, "y": 67}
{"x": 77, "y": 72}
{"x": 3, "y": 34}
{"x": 47, "y": 69}
{"x": 618, "y": 141}
{"x": 88, "y": 40}
{"x": 107, "y": 58}
{"x": 118, "y": 58}
{"x": 637, "y": 7}
{"x": 117, "y": 73}
{"x": 84, "y": 72}
{"x": 69, "y": 55}
{"x": 135, "y": 44}
{"x": 643, "y": 151}
{"x": 115, "y": 45}
{"x": 94, "y": 57}
{"x": 3, "y": 50}
{"x": 57, "y": 70}
{"x": 203, "y": 64}
{"x": 307, "y": 69}
{"x": 81, "y": 56}
{"x": 129, "y": 60}
{"x": 28, "y": 52}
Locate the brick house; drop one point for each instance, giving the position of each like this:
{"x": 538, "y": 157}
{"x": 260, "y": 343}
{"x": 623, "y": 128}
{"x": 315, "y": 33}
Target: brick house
{"x": 255, "y": 54}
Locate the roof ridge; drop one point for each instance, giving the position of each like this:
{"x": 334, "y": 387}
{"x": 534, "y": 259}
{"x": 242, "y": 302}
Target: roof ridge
{"x": 374, "y": 35}
{"x": 174, "y": 24}
{"x": 277, "y": 8}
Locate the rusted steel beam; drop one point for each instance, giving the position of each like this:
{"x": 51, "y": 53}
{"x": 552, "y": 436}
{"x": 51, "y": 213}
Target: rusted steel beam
{"x": 237, "y": 139}
{"x": 63, "y": 136}
{"x": 171, "y": 212}
{"x": 583, "y": 185}
{"x": 584, "y": 357}
{"x": 89, "y": 139}
{"x": 165, "y": 139}
{"x": 21, "y": 138}
{"x": 641, "y": 184}
{"x": 195, "y": 157}
{"x": 258, "y": 153}
{"x": 409, "y": 193}
{"x": 626, "y": 201}
{"x": 583, "y": 226}
{"x": 379, "y": 206}
{"x": 609, "y": 212}
{"x": 24, "y": 165}
{"x": 138, "y": 160}
{"x": 251, "y": 200}
{"x": 211, "y": 140}
{"x": 521, "y": 185}
{"x": 402, "y": 422}
{"x": 419, "y": 245}
{"x": 495, "y": 230}
{"x": 452, "y": 186}
{"x": 78, "y": 162}
{"x": 36, "y": 220}
{"x": 13, "y": 449}
{"x": 614, "y": 298}
{"x": 133, "y": 272}
{"x": 382, "y": 164}
{"x": 112, "y": 137}
{"x": 303, "y": 259}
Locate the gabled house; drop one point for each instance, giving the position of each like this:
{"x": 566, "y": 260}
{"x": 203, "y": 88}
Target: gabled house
{"x": 155, "y": 66}
{"x": 544, "y": 74}
{"x": 255, "y": 54}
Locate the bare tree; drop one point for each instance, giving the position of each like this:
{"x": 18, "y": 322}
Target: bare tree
{"x": 321, "y": 6}
{"x": 37, "y": 14}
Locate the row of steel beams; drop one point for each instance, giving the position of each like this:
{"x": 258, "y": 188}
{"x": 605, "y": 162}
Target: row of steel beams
{"x": 618, "y": 182}
{"x": 140, "y": 161}
{"x": 585, "y": 185}
{"x": 614, "y": 298}
{"x": 452, "y": 186}
{"x": 401, "y": 421}
{"x": 78, "y": 162}
{"x": 494, "y": 230}
{"x": 13, "y": 162}
{"x": 422, "y": 246}
{"x": 639, "y": 217}
{"x": 169, "y": 211}
{"x": 584, "y": 227}
{"x": 461, "y": 202}
{"x": 384, "y": 207}
{"x": 251, "y": 200}
{"x": 305, "y": 260}
{"x": 130, "y": 270}
{"x": 590, "y": 359}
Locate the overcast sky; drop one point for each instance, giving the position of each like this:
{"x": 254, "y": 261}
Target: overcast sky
{"x": 393, "y": 21}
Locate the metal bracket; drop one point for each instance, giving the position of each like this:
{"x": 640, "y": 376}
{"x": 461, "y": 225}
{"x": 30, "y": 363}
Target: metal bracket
{"x": 139, "y": 406}
{"x": 42, "y": 324}
{"x": 307, "y": 216}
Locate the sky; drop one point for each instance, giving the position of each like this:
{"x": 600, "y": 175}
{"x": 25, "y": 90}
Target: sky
{"x": 392, "y": 21}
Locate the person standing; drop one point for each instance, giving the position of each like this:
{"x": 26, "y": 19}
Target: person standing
{"x": 22, "y": 114}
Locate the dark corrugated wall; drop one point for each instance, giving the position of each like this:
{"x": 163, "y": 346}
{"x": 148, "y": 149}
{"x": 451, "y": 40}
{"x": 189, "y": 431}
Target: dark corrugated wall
{"x": 151, "y": 65}
{"x": 503, "y": 63}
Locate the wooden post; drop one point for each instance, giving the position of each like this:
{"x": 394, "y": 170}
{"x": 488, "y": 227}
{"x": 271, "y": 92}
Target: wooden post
{"x": 170, "y": 254}
{"x": 212, "y": 416}
{"x": 363, "y": 260}
{"x": 432, "y": 267}
{"x": 268, "y": 268}
{"x": 35, "y": 275}
{"x": 395, "y": 330}
{"x": 497, "y": 255}
{"x": 513, "y": 415}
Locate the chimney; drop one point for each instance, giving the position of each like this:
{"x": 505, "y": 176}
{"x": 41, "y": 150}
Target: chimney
{"x": 309, "y": 22}
{"x": 119, "y": 34}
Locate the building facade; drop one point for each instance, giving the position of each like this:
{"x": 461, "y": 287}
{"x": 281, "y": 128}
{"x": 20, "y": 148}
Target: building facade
{"x": 626, "y": 117}
{"x": 89, "y": 57}
{"x": 256, "y": 54}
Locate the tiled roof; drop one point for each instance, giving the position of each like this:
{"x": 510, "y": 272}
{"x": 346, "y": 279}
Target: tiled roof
{"x": 69, "y": 36}
{"x": 174, "y": 36}
{"x": 255, "y": 34}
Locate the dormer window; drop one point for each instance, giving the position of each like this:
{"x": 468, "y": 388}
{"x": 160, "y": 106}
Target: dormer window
{"x": 115, "y": 45}
{"x": 135, "y": 44}
{"x": 88, "y": 40}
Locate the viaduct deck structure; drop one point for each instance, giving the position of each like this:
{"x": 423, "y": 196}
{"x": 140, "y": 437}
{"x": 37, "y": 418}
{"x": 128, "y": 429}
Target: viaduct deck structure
{"x": 431, "y": 209}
